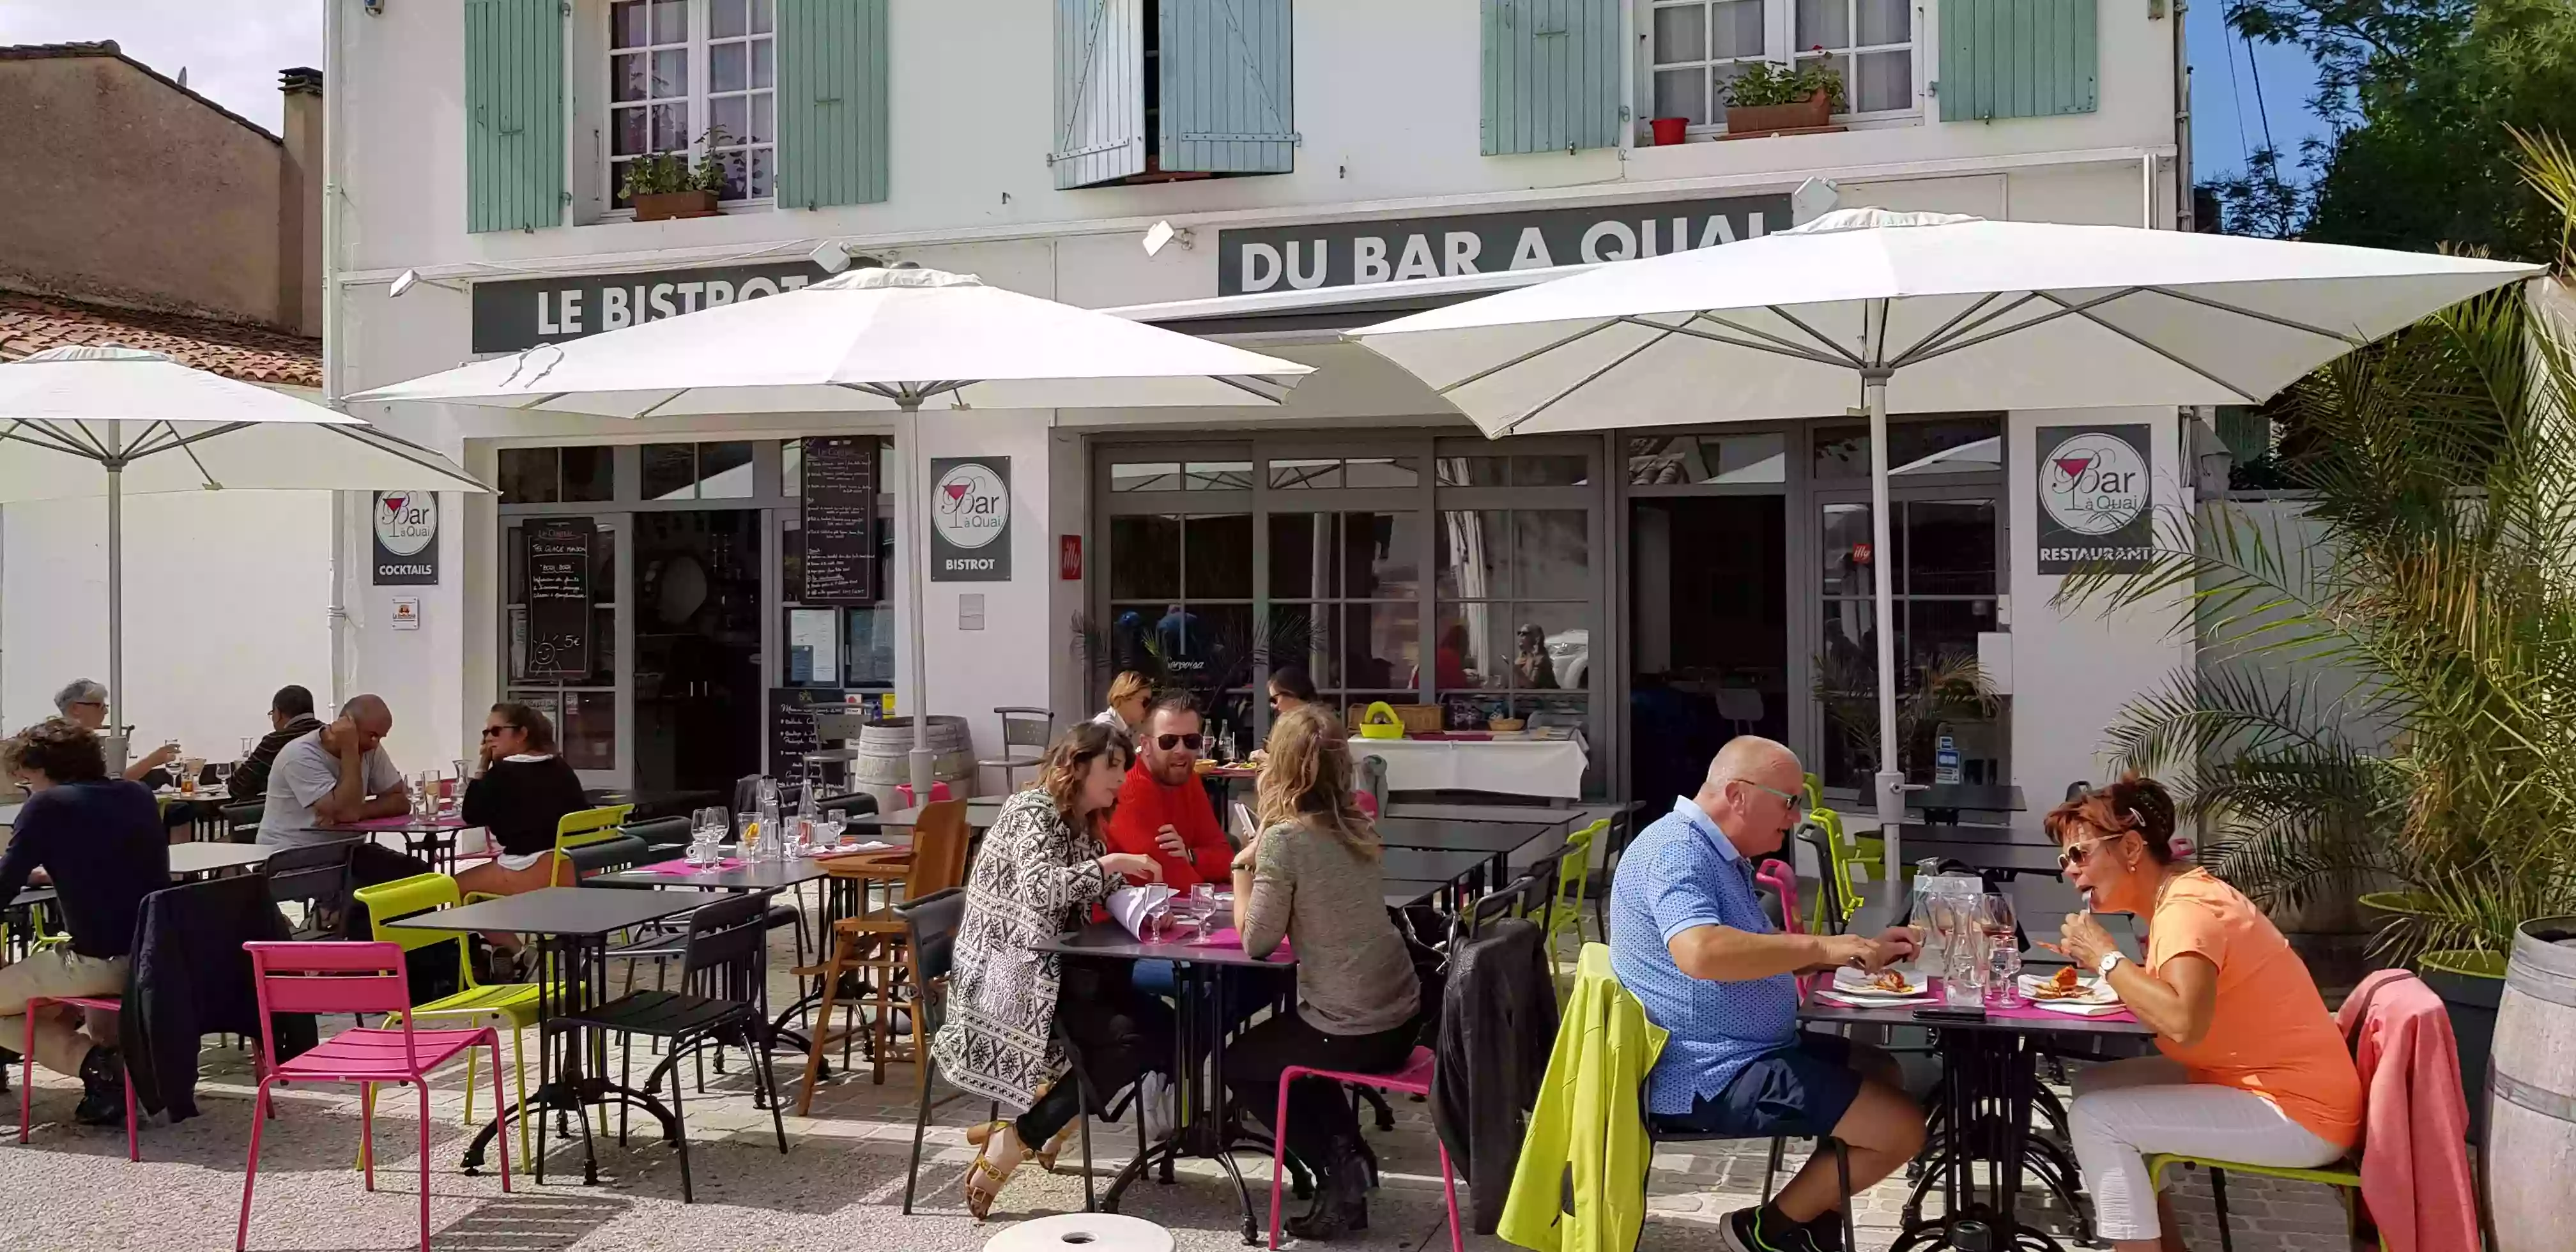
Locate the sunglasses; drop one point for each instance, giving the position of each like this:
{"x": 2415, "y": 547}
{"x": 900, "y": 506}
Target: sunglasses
{"x": 1191, "y": 742}
{"x": 2080, "y": 851}
{"x": 1797, "y": 801}
{"x": 490, "y": 731}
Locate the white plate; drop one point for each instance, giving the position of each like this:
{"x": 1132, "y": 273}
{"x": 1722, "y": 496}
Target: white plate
{"x": 2094, "y": 992}
{"x": 2079, "y": 1008}
{"x": 1855, "y": 984}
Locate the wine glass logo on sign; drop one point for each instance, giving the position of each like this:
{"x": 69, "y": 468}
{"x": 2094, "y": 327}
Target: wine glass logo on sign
{"x": 2097, "y": 483}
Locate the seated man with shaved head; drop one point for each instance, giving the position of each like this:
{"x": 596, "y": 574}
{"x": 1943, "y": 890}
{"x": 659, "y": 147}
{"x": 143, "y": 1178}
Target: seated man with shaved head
{"x": 1690, "y": 939}
{"x": 334, "y": 775}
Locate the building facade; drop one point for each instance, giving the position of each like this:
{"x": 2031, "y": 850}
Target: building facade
{"x": 1267, "y": 173}
{"x": 145, "y": 215}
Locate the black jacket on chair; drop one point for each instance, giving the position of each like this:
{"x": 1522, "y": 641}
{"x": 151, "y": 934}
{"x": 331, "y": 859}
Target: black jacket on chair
{"x": 1497, "y": 1025}
{"x": 190, "y": 978}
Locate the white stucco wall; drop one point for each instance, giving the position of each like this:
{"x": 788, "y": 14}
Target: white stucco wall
{"x": 226, "y": 600}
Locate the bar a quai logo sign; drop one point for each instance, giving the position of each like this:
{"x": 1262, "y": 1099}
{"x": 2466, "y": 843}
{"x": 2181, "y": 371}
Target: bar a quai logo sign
{"x": 406, "y": 526}
{"x": 2095, "y": 498}
{"x": 970, "y": 519}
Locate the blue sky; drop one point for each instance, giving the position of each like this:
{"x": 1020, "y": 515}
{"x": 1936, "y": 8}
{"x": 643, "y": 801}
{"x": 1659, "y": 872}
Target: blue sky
{"x": 2225, "y": 120}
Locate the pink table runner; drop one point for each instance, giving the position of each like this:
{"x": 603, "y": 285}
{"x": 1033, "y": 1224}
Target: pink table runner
{"x": 682, "y": 866}
{"x": 2025, "y": 1013}
{"x": 1228, "y": 938}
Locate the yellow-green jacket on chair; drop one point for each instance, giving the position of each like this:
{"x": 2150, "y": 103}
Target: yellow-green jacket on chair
{"x": 1581, "y": 1182}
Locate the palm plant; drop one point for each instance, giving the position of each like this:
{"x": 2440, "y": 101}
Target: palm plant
{"x": 1947, "y": 687}
{"x": 2385, "y": 685}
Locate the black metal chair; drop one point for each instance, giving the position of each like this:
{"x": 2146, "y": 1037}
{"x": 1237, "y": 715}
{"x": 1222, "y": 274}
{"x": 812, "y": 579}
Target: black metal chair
{"x": 1025, "y": 733}
{"x": 1825, "y": 1142}
{"x": 660, "y": 833}
{"x": 723, "y": 971}
{"x": 242, "y": 820}
{"x": 315, "y": 875}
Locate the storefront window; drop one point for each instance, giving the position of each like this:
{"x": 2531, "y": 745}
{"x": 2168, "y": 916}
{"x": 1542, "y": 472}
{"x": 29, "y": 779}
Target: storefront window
{"x": 1916, "y": 449}
{"x": 1944, "y": 567}
{"x": 557, "y": 475}
{"x": 1660, "y": 460}
{"x": 697, "y": 471}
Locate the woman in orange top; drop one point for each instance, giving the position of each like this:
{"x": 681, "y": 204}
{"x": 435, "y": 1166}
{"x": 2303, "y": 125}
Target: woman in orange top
{"x": 2253, "y": 1068}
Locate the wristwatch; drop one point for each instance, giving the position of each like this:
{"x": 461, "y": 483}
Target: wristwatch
{"x": 2109, "y": 959}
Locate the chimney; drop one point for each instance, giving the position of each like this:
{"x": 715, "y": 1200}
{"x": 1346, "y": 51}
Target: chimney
{"x": 299, "y": 204}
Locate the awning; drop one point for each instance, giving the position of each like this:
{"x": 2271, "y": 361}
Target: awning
{"x": 1321, "y": 314}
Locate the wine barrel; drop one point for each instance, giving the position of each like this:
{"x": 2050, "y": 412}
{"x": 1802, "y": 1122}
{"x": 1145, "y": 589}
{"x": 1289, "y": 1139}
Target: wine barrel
{"x": 885, "y": 757}
{"x": 2531, "y": 1093}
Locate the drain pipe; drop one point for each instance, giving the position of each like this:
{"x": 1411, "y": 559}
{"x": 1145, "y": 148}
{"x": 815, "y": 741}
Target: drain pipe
{"x": 334, "y": 72}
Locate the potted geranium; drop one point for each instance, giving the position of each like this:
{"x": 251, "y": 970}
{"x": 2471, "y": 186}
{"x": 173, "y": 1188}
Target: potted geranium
{"x": 1768, "y": 98}
{"x": 667, "y": 184}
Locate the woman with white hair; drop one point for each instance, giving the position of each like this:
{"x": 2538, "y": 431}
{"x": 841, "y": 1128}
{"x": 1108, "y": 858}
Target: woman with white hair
{"x": 83, "y": 703}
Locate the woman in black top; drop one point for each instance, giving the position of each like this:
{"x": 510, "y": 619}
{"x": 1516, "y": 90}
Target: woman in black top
{"x": 521, "y": 794}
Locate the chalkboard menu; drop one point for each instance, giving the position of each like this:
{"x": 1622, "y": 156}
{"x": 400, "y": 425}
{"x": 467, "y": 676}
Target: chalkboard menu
{"x": 558, "y": 566}
{"x": 839, "y": 495}
{"x": 791, "y": 723}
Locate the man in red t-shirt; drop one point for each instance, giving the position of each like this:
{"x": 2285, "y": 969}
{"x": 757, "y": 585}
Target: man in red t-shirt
{"x": 1163, "y": 811}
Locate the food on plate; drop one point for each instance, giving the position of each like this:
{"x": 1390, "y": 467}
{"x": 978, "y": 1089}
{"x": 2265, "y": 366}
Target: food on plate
{"x": 1890, "y": 981}
{"x": 2067, "y": 985}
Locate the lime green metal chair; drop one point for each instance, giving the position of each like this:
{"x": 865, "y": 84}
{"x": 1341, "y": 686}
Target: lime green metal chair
{"x": 1564, "y": 908}
{"x": 1853, "y": 860}
{"x": 2344, "y": 1176}
{"x": 512, "y": 1003}
{"x": 582, "y": 829}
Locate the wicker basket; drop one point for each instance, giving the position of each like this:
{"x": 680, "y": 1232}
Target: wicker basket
{"x": 1416, "y": 718}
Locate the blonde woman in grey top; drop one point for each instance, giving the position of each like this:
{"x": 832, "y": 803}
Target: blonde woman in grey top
{"x": 1311, "y": 878}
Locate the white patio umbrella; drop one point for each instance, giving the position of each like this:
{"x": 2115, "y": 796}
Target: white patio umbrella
{"x": 82, "y": 421}
{"x": 870, "y": 340}
{"x": 1927, "y": 313}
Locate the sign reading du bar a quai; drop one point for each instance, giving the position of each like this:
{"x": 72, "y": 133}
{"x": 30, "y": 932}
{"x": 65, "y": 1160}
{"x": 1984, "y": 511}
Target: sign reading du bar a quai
{"x": 524, "y": 313}
{"x": 1346, "y": 254}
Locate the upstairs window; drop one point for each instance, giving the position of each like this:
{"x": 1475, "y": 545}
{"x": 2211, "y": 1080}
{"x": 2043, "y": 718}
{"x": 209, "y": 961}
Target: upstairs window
{"x": 695, "y": 77}
{"x": 1694, "y": 48}
{"x": 1158, "y": 90}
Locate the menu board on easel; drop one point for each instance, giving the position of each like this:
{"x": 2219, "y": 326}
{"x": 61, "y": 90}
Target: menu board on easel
{"x": 559, "y": 616}
{"x": 838, "y": 494}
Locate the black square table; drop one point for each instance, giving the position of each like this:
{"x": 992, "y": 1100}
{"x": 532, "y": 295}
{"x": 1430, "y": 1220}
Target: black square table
{"x": 571, "y": 925}
{"x": 1988, "y": 1092}
{"x": 1993, "y": 851}
{"x": 754, "y": 876}
{"x": 1454, "y": 868}
{"x": 1204, "y": 1130}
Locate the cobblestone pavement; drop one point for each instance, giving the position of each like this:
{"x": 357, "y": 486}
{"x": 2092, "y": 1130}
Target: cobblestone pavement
{"x": 839, "y": 1186}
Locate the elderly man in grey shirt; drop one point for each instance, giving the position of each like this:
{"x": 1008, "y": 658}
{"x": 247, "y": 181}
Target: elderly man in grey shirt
{"x": 334, "y": 776}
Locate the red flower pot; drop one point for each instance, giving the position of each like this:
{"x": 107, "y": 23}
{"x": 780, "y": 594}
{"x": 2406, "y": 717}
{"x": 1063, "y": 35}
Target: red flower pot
{"x": 1670, "y": 130}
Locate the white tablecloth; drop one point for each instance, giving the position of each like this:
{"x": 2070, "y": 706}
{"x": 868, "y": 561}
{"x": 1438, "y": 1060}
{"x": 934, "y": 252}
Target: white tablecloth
{"x": 1516, "y": 767}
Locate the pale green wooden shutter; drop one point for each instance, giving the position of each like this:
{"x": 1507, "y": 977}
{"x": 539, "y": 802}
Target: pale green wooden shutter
{"x": 514, "y": 114}
{"x": 831, "y": 102}
{"x": 2018, "y": 58}
{"x": 1099, "y": 91}
{"x": 1226, "y": 87}
{"x": 1551, "y": 75}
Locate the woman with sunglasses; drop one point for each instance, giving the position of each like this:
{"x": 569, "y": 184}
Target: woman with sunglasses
{"x": 520, "y": 792}
{"x": 2252, "y": 1069}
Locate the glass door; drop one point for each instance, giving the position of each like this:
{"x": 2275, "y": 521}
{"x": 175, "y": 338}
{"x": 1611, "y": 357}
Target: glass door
{"x": 695, "y": 587}
{"x": 586, "y": 706}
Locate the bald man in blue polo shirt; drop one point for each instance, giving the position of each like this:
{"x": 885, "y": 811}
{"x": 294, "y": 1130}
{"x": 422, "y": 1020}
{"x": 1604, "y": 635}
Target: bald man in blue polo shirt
{"x": 1689, "y": 938}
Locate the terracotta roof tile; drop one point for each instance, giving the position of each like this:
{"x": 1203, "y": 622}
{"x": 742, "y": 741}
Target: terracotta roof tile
{"x": 30, "y": 324}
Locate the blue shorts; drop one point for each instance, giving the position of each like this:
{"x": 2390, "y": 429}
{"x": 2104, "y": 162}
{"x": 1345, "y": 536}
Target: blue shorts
{"x": 1802, "y": 1088}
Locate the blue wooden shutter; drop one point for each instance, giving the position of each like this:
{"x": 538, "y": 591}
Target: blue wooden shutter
{"x": 1226, "y": 87}
{"x": 2018, "y": 58}
{"x": 831, "y": 102}
{"x": 514, "y": 114}
{"x": 1551, "y": 75}
{"x": 1099, "y": 91}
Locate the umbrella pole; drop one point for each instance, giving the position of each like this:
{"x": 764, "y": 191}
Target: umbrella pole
{"x": 916, "y": 514}
{"x": 116, "y": 745}
{"x": 1891, "y": 779}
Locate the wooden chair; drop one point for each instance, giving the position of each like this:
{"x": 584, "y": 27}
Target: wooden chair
{"x": 872, "y": 944}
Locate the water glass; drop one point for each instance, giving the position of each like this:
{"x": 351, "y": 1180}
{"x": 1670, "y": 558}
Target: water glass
{"x": 2003, "y": 973}
{"x": 1159, "y": 922}
{"x": 1963, "y": 962}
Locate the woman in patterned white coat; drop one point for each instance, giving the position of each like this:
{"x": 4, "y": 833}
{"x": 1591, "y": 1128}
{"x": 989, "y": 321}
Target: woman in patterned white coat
{"x": 1041, "y": 868}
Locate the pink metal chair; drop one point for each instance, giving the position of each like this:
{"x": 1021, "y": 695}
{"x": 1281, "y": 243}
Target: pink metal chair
{"x": 353, "y": 978}
{"x": 1780, "y": 877}
{"x": 1413, "y": 1079}
{"x": 27, "y": 1064}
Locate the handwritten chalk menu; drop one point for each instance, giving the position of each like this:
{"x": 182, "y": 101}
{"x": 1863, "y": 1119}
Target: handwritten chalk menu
{"x": 839, "y": 496}
{"x": 558, "y": 566}
{"x": 791, "y": 724}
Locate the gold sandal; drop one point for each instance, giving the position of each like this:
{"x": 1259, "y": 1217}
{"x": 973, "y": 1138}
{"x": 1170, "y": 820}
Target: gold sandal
{"x": 980, "y": 1201}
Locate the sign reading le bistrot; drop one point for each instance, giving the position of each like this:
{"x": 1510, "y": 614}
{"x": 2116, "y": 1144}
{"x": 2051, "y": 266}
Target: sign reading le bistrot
{"x": 2095, "y": 498}
{"x": 523, "y": 313}
{"x": 1347, "y": 254}
{"x": 970, "y": 519}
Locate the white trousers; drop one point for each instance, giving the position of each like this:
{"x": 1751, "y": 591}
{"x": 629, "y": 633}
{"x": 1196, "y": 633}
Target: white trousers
{"x": 60, "y": 1042}
{"x": 2126, "y": 1110}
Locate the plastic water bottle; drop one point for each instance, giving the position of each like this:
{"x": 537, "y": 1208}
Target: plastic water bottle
{"x": 1945, "y": 762}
